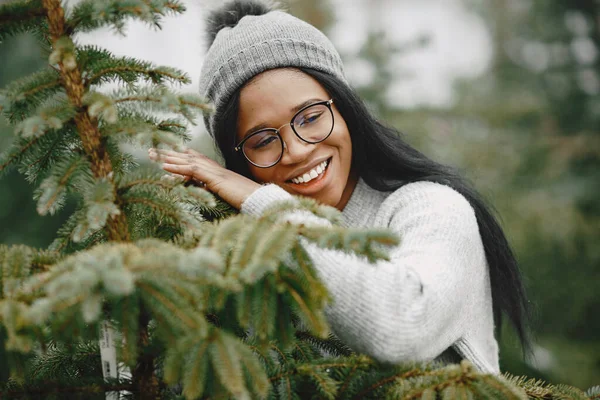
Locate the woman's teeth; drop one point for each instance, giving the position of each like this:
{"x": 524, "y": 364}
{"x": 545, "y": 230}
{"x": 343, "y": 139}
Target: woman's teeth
{"x": 312, "y": 174}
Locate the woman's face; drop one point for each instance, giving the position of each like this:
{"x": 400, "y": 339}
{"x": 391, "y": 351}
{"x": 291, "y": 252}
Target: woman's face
{"x": 271, "y": 100}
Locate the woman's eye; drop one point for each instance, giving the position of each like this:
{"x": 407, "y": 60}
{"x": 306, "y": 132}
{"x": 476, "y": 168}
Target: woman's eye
{"x": 264, "y": 142}
{"x": 310, "y": 118}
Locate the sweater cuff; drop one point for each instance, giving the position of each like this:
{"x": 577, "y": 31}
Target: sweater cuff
{"x": 262, "y": 198}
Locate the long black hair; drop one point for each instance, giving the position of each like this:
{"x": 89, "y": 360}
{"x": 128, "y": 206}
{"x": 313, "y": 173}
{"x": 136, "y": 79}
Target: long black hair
{"x": 386, "y": 162}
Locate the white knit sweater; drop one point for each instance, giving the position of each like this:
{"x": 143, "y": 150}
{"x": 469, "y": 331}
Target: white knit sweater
{"x": 431, "y": 298}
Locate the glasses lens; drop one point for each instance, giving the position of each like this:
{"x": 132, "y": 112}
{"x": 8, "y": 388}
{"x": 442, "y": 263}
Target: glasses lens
{"x": 263, "y": 148}
{"x": 314, "y": 124}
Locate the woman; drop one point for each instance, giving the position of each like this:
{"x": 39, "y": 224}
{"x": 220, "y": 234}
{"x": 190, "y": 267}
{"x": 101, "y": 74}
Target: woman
{"x": 287, "y": 123}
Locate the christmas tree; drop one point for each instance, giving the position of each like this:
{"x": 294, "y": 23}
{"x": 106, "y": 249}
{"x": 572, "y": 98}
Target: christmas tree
{"x": 193, "y": 299}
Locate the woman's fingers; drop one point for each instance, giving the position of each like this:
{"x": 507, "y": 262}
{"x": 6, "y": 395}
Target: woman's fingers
{"x": 173, "y": 160}
{"x": 192, "y": 165}
{"x": 193, "y": 152}
{"x": 187, "y": 170}
{"x": 201, "y": 170}
{"x": 175, "y": 178}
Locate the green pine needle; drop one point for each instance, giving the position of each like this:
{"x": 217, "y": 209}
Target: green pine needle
{"x": 160, "y": 100}
{"x": 24, "y": 96}
{"x": 101, "y": 66}
{"x": 89, "y": 15}
{"x": 51, "y": 194}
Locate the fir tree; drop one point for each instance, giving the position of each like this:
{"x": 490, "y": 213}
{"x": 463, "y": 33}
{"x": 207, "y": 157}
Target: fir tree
{"x": 202, "y": 306}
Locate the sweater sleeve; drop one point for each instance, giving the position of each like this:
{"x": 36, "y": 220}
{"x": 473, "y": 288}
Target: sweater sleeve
{"x": 416, "y": 305}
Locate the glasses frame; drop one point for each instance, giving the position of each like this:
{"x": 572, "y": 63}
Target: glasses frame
{"x": 327, "y": 103}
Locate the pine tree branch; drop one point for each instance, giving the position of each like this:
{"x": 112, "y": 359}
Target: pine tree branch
{"x": 138, "y": 70}
{"x": 283, "y": 375}
{"x": 24, "y": 95}
{"x": 37, "y": 268}
{"x": 17, "y": 155}
{"x": 48, "y": 154}
{"x": 153, "y": 205}
{"x": 86, "y": 17}
{"x": 301, "y": 352}
{"x": 170, "y": 305}
{"x": 257, "y": 351}
{"x": 202, "y": 106}
{"x": 49, "y": 203}
{"x": 153, "y": 182}
{"x": 283, "y": 357}
{"x": 348, "y": 380}
{"x": 382, "y": 382}
{"x": 37, "y": 89}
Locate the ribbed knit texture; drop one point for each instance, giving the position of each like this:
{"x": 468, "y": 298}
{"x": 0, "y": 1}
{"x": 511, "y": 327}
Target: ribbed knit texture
{"x": 432, "y": 299}
{"x": 259, "y": 43}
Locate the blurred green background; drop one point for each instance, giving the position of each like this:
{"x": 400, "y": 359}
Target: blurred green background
{"x": 525, "y": 131}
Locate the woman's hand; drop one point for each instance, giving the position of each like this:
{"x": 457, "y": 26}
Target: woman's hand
{"x": 228, "y": 185}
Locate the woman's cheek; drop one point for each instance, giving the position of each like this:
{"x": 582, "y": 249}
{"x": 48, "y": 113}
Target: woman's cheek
{"x": 261, "y": 175}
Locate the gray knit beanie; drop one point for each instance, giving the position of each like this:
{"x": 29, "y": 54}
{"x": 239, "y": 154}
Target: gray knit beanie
{"x": 244, "y": 45}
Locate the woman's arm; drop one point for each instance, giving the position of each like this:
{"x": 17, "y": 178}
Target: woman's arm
{"x": 418, "y": 304}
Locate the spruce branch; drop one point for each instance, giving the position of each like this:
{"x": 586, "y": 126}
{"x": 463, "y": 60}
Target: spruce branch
{"x": 368, "y": 243}
{"x": 158, "y": 271}
{"x": 64, "y": 242}
{"x": 138, "y": 127}
{"x": 101, "y": 67}
{"x": 145, "y": 133}
{"x": 35, "y": 156}
{"x": 538, "y": 389}
{"x": 161, "y": 100}
{"x": 22, "y": 97}
{"x": 52, "y": 191}
{"x": 271, "y": 250}
{"x": 329, "y": 345}
{"x": 89, "y": 15}
{"x": 51, "y": 116}
{"x": 303, "y": 203}
{"x": 593, "y": 393}
{"x": 153, "y": 203}
{"x": 143, "y": 177}
{"x": 18, "y": 263}
{"x": 12, "y": 157}
{"x": 455, "y": 381}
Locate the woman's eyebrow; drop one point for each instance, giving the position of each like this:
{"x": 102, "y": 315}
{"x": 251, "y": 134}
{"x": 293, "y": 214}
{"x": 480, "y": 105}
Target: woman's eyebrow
{"x": 300, "y": 106}
{"x": 254, "y": 129}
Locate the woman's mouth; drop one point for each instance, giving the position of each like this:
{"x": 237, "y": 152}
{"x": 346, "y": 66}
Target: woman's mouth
{"x": 313, "y": 175}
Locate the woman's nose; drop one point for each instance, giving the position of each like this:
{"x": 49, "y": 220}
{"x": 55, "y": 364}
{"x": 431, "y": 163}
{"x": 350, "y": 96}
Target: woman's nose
{"x": 294, "y": 148}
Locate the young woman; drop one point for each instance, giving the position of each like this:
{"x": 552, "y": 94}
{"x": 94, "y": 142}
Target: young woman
{"x": 287, "y": 123}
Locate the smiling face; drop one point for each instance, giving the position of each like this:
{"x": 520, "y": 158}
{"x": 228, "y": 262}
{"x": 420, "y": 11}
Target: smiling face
{"x": 270, "y": 100}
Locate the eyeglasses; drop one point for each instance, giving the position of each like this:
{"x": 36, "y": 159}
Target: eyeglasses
{"x": 312, "y": 124}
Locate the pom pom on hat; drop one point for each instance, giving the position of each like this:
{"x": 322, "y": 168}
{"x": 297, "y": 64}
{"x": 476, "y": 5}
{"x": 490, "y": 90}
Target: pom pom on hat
{"x": 231, "y": 13}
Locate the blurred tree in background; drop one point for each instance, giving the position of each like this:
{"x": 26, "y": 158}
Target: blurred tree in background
{"x": 19, "y": 221}
{"x": 526, "y": 133}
